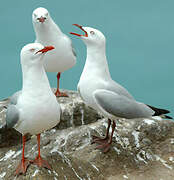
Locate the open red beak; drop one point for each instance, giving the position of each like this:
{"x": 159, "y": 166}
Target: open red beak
{"x": 41, "y": 19}
{"x": 79, "y": 26}
{"x": 46, "y": 49}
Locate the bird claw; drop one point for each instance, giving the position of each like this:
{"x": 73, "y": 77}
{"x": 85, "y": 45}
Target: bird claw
{"x": 99, "y": 140}
{"x": 60, "y": 94}
{"x": 22, "y": 167}
{"x": 105, "y": 147}
{"x": 41, "y": 163}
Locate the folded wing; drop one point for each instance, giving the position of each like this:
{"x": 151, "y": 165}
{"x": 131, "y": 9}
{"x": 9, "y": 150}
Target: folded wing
{"x": 121, "y": 106}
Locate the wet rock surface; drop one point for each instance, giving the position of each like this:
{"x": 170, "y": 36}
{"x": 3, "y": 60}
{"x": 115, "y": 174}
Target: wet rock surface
{"x": 142, "y": 148}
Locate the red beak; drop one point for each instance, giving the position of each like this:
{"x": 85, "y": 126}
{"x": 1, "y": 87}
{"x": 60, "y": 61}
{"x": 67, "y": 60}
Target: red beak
{"x": 41, "y": 19}
{"x": 79, "y": 26}
{"x": 46, "y": 49}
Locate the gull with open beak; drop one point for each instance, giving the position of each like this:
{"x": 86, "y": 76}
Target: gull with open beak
{"x": 100, "y": 92}
{"x": 34, "y": 109}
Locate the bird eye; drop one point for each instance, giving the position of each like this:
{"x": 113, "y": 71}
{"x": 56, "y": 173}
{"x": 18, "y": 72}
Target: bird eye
{"x": 46, "y": 14}
{"x": 92, "y": 32}
{"x": 32, "y": 49}
{"x": 35, "y": 15}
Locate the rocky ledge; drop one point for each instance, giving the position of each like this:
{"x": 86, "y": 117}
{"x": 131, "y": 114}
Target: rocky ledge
{"x": 142, "y": 148}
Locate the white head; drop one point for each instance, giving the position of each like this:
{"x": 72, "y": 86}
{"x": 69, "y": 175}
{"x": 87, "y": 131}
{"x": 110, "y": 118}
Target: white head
{"x": 92, "y": 37}
{"x": 40, "y": 16}
{"x": 32, "y": 54}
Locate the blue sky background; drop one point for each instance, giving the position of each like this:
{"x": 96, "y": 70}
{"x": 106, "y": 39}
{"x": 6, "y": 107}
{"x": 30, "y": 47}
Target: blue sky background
{"x": 140, "y": 43}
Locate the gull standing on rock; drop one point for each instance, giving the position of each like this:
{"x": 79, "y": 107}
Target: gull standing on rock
{"x": 34, "y": 109}
{"x": 100, "y": 92}
{"x": 48, "y": 33}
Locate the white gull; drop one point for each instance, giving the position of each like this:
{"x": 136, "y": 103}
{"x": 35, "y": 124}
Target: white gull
{"x": 35, "y": 108}
{"x": 100, "y": 92}
{"x": 48, "y": 33}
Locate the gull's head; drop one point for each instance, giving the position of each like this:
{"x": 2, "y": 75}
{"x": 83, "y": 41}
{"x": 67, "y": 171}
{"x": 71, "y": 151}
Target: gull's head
{"x": 91, "y": 36}
{"x": 40, "y": 15}
{"x": 33, "y": 53}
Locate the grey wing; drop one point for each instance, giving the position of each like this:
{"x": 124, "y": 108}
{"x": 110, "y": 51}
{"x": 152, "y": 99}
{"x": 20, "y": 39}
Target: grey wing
{"x": 12, "y": 116}
{"x": 73, "y": 50}
{"x": 121, "y": 106}
{"x": 117, "y": 88}
{"x": 14, "y": 97}
{"x": 71, "y": 44}
{"x": 78, "y": 90}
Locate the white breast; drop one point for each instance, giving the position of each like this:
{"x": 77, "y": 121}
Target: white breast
{"x": 87, "y": 85}
{"x": 37, "y": 115}
{"x": 62, "y": 57}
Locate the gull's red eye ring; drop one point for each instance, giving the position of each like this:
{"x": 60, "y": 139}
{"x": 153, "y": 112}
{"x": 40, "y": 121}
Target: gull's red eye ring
{"x": 32, "y": 49}
{"x": 92, "y": 32}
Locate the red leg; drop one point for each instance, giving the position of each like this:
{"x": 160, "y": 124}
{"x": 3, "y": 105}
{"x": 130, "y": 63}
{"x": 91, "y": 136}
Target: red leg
{"x": 99, "y": 140}
{"x": 23, "y": 165}
{"x": 38, "y": 160}
{"x": 105, "y": 147}
{"x": 58, "y": 93}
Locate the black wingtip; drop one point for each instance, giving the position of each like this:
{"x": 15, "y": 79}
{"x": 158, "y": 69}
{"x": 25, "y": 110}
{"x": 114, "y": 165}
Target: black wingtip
{"x": 158, "y": 111}
{"x": 168, "y": 117}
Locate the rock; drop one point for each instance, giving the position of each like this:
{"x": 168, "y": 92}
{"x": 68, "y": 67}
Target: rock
{"x": 142, "y": 148}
